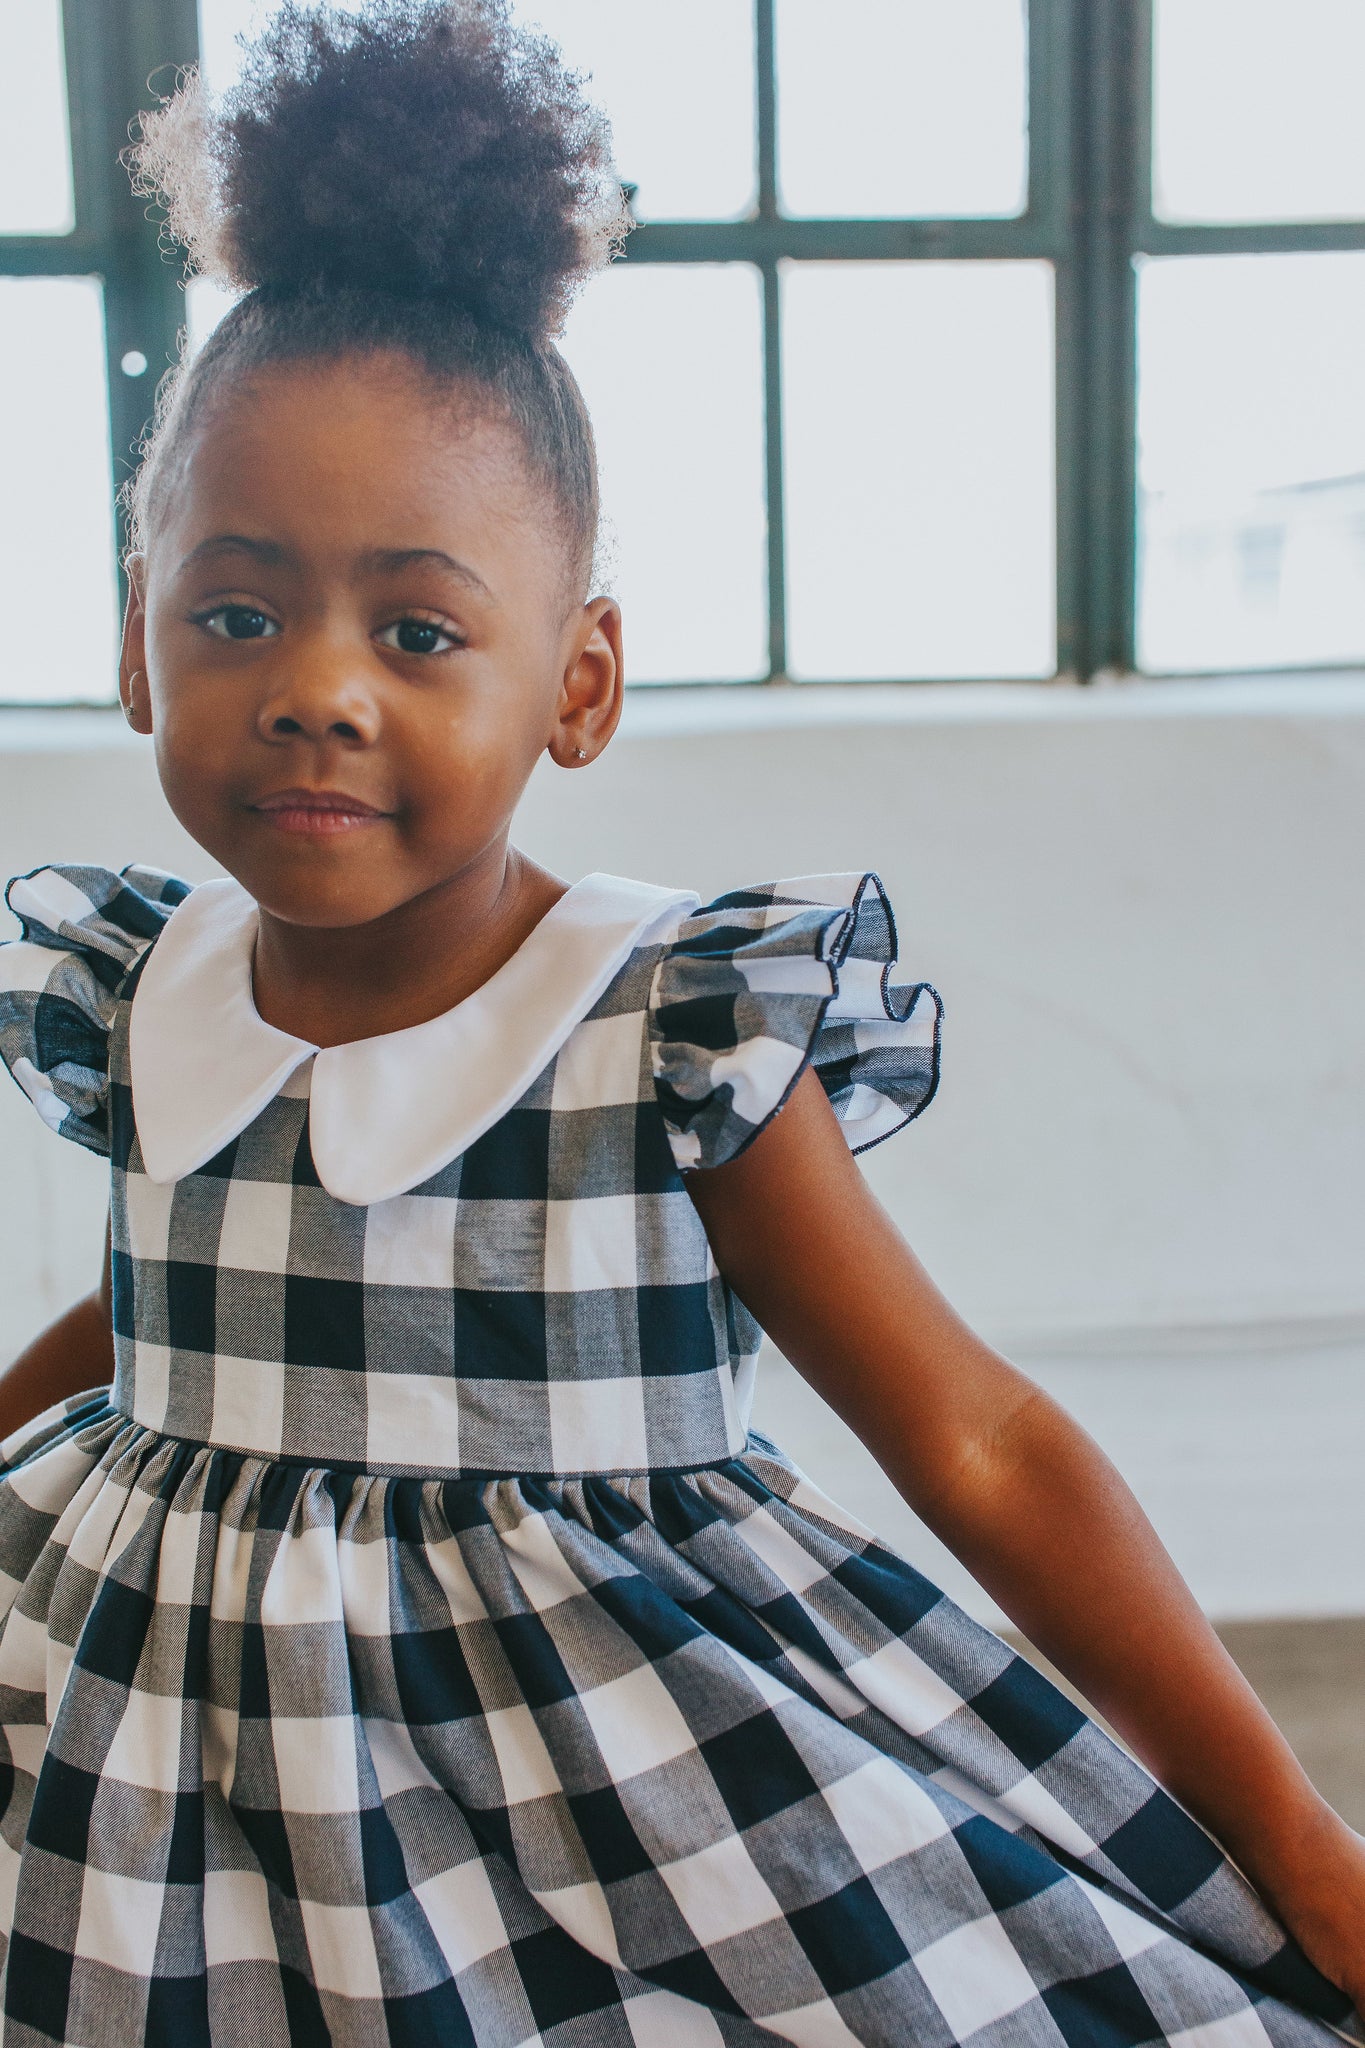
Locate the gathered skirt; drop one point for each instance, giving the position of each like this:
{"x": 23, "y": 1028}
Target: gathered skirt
{"x": 292, "y": 1755}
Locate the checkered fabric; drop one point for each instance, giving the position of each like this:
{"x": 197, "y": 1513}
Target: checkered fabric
{"x": 84, "y": 931}
{"x": 763, "y": 982}
{"x": 425, "y": 1750}
{"x": 546, "y": 1302}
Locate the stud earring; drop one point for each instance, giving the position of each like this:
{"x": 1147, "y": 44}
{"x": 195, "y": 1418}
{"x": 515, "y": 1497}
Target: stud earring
{"x": 580, "y": 753}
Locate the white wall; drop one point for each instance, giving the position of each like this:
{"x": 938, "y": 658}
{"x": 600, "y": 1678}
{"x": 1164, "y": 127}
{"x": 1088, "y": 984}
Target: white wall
{"x": 1143, "y": 909}
{"x": 1142, "y": 906}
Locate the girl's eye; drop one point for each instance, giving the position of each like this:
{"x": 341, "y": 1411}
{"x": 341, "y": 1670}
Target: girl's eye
{"x": 418, "y": 636}
{"x": 237, "y": 622}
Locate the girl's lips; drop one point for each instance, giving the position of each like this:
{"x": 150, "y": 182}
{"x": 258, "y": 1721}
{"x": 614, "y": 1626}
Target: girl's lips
{"x": 316, "y": 811}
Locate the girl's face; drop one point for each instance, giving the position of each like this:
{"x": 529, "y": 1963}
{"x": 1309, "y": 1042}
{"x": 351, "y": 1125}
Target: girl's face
{"x": 353, "y": 637}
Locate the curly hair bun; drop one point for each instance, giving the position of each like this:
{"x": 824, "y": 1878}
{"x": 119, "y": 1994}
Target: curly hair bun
{"x": 425, "y": 148}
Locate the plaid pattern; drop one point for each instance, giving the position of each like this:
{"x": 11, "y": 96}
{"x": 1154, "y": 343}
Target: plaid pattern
{"x": 302, "y": 1749}
{"x": 546, "y": 1302}
{"x": 296, "y": 1757}
{"x": 763, "y": 981}
{"x": 84, "y": 930}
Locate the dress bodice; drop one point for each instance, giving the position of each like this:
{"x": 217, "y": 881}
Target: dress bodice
{"x": 545, "y": 1302}
{"x": 413, "y": 1254}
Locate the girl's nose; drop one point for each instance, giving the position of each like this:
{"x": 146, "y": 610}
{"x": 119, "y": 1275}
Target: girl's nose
{"x": 317, "y": 701}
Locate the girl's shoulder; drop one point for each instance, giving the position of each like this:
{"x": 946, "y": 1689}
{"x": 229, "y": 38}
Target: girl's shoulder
{"x": 82, "y": 932}
{"x": 767, "y": 979}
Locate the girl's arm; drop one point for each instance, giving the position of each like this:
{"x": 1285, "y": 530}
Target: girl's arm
{"x": 1030, "y": 1504}
{"x": 75, "y": 1352}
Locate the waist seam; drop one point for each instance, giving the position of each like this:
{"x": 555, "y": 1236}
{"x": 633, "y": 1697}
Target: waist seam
{"x": 438, "y": 1474}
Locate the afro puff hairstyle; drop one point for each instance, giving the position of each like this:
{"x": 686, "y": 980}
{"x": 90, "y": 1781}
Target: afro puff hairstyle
{"x": 422, "y": 177}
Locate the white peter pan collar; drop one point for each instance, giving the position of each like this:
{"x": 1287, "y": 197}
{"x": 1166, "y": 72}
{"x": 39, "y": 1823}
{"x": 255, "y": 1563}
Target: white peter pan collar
{"x": 387, "y": 1112}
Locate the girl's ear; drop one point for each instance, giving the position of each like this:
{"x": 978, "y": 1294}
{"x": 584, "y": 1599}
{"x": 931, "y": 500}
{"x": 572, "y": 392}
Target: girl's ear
{"x": 589, "y": 707}
{"x": 134, "y": 694}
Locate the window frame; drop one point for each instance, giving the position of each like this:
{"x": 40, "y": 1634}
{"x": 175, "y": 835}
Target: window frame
{"x": 1110, "y": 197}
{"x": 769, "y": 238}
{"x": 1088, "y": 214}
{"x": 112, "y": 49}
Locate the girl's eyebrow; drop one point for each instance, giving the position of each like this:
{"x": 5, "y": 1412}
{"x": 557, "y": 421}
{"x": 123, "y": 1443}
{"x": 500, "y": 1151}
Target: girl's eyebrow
{"x": 374, "y": 561}
{"x": 387, "y": 560}
{"x": 270, "y": 552}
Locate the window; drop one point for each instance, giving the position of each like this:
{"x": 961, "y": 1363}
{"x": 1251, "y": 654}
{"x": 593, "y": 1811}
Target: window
{"x": 896, "y": 322}
{"x": 1005, "y": 339}
{"x": 1251, "y": 405}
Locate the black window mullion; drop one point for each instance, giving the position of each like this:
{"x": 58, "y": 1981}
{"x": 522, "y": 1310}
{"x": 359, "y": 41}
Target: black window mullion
{"x": 1250, "y": 238}
{"x": 774, "y": 478}
{"x": 1049, "y": 135}
{"x": 782, "y": 238}
{"x": 765, "y": 50}
{"x": 1053, "y": 59}
{"x": 121, "y": 57}
{"x": 1097, "y": 341}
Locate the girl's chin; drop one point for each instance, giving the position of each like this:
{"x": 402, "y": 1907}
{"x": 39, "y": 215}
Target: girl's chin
{"x": 326, "y": 894}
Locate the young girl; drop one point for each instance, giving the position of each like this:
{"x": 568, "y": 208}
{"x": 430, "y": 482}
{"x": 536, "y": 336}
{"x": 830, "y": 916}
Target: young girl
{"x": 411, "y": 1645}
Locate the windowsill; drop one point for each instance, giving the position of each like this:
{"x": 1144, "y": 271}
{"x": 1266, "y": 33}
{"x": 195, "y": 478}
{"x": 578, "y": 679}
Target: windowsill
{"x": 31, "y": 729}
{"x": 658, "y": 713}
{"x": 667, "y": 712}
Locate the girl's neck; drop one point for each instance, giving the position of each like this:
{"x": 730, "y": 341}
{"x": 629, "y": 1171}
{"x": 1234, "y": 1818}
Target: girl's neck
{"x": 334, "y": 984}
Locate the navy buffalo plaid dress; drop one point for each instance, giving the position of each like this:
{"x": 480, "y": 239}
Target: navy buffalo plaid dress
{"x": 413, "y": 1646}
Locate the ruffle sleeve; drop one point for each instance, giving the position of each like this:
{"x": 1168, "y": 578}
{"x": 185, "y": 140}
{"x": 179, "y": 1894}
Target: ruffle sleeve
{"x": 768, "y": 979}
{"x": 83, "y": 931}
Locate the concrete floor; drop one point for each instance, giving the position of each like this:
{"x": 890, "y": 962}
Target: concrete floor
{"x": 1311, "y": 1677}
{"x": 1249, "y": 1461}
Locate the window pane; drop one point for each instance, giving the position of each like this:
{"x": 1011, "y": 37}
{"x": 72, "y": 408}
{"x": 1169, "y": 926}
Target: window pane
{"x": 677, "y": 84}
{"x": 1251, "y": 423}
{"x": 1257, "y": 110}
{"x": 918, "y": 430}
{"x": 205, "y": 305}
{"x": 57, "y": 591}
{"x": 221, "y": 22}
{"x": 903, "y": 107}
{"x": 670, "y": 360}
{"x": 35, "y": 144}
